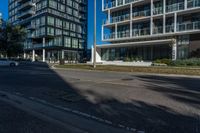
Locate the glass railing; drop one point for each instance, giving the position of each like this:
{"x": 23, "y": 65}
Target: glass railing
{"x": 193, "y": 3}
{"x": 120, "y": 18}
{"x": 123, "y": 34}
{"x": 141, "y": 32}
{"x": 158, "y": 10}
{"x": 175, "y": 7}
{"x": 117, "y": 19}
{"x": 189, "y": 26}
{"x": 120, "y": 2}
{"x": 141, "y": 14}
{"x": 109, "y": 36}
{"x": 158, "y": 30}
{"x": 169, "y": 28}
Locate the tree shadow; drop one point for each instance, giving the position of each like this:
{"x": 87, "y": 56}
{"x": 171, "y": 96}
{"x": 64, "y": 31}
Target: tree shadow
{"x": 38, "y": 80}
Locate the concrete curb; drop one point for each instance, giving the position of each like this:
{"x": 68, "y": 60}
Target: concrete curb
{"x": 129, "y": 73}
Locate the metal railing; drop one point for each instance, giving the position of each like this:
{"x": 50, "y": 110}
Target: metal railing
{"x": 193, "y": 3}
{"x": 189, "y": 26}
{"x": 141, "y": 13}
{"x": 175, "y": 7}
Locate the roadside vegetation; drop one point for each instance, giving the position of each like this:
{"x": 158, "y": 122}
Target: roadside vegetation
{"x": 152, "y": 69}
{"x": 11, "y": 40}
{"x": 192, "y": 62}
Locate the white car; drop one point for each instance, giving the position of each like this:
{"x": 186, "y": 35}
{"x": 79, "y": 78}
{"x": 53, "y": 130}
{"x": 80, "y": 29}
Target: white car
{"x": 7, "y": 62}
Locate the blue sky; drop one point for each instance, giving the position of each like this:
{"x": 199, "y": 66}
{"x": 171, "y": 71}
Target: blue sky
{"x": 100, "y": 15}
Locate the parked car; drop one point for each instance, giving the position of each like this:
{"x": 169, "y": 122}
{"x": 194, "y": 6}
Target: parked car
{"x": 7, "y": 62}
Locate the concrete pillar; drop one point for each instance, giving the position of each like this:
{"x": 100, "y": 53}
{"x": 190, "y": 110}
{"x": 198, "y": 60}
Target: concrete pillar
{"x": 43, "y": 51}
{"x": 116, "y": 31}
{"x": 109, "y": 16}
{"x": 164, "y": 16}
{"x": 175, "y": 22}
{"x": 102, "y": 5}
{"x": 174, "y": 49}
{"x": 185, "y": 4}
{"x": 63, "y": 54}
{"x": 33, "y": 55}
{"x": 131, "y": 21}
{"x": 151, "y": 22}
{"x": 24, "y": 55}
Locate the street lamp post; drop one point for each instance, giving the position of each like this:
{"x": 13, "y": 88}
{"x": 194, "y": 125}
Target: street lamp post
{"x": 95, "y": 48}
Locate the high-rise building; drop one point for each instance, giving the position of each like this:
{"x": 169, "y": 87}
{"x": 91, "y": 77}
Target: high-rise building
{"x": 149, "y": 29}
{"x": 56, "y": 29}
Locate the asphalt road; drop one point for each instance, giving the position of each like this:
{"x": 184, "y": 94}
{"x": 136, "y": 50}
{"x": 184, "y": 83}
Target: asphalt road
{"x": 14, "y": 120}
{"x": 155, "y": 104}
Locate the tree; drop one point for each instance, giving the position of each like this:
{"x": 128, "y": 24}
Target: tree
{"x": 11, "y": 40}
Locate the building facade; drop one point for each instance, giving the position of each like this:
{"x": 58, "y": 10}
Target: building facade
{"x": 56, "y": 29}
{"x": 149, "y": 29}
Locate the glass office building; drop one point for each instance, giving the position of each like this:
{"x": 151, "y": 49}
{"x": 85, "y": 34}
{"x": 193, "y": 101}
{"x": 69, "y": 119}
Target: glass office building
{"x": 149, "y": 29}
{"x": 56, "y": 29}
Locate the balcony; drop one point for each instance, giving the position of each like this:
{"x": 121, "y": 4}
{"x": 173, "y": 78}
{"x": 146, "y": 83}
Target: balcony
{"x": 109, "y": 36}
{"x": 189, "y": 26}
{"x": 169, "y": 28}
{"x": 158, "y": 10}
{"x": 117, "y": 19}
{"x": 120, "y": 3}
{"x": 123, "y": 34}
{"x": 26, "y": 5}
{"x": 141, "y": 14}
{"x": 175, "y": 7}
{"x": 141, "y": 32}
{"x": 26, "y": 14}
{"x": 158, "y": 30}
{"x": 193, "y": 3}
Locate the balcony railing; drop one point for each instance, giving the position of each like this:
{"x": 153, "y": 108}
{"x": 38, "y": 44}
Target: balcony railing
{"x": 120, "y": 2}
{"x": 193, "y": 3}
{"x": 123, "y": 34}
{"x": 158, "y": 10}
{"x": 141, "y": 32}
{"x": 189, "y": 26}
{"x": 175, "y": 7}
{"x": 169, "y": 28}
{"x": 141, "y": 14}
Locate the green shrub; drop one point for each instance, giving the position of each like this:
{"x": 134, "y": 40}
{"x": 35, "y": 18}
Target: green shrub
{"x": 163, "y": 61}
{"x": 186, "y": 62}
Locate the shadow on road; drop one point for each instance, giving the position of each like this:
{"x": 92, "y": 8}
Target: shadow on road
{"x": 38, "y": 80}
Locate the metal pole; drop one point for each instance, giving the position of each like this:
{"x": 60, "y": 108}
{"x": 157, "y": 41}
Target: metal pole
{"x": 95, "y": 49}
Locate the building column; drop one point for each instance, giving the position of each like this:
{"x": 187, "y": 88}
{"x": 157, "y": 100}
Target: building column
{"x": 175, "y": 22}
{"x": 24, "y": 55}
{"x": 151, "y": 23}
{"x": 131, "y": 21}
{"x": 174, "y": 49}
{"x": 185, "y": 4}
{"x": 43, "y": 51}
{"x": 164, "y": 16}
{"x": 116, "y": 31}
{"x": 102, "y": 5}
{"x": 63, "y": 54}
{"x": 33, "y": 55}
{"x": 109, "y": 17}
